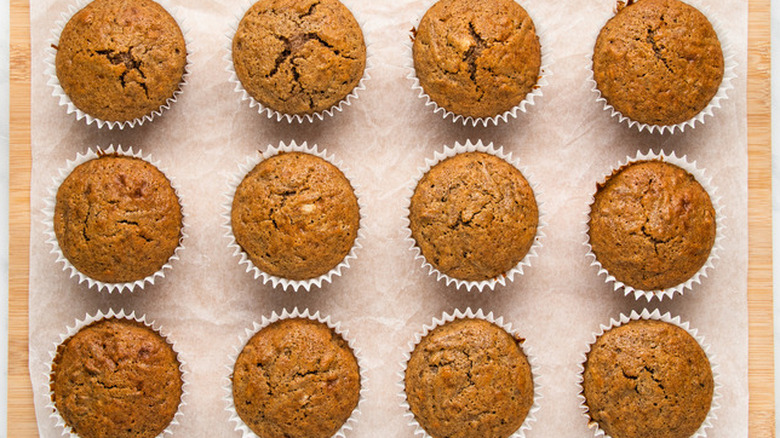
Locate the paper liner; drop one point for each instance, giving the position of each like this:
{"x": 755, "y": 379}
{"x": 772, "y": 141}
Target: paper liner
{"x": 64, "y": 99}
{"x": 536, "y": 90}
{"x": 51, "y": 202}
{"x": 706, "y": 183}
{"x": 729, "y": 74}
{"x": 236, "y": 179}
{"x": 89, "y": 319}
{"x": 468, "y": 314}
{"x": 265, "y": 322}
{"x": 655, "y": 315}
{"x": 451, "y": 152}
{"x": 278, "y": 115}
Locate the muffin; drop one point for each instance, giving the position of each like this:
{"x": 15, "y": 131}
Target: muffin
{"x": 117, "y": 219}
{"x": 469, "y": 378}
{"x": 116, "y": 378}
{"x": 477, "y": 58}
{"x": 296, "y": 378}
{"x": 298, "y": 57}
{"x": 121, "y": 60}
{"x": 295, "y": 215}
{"x": 473, "y": 216}
{"x": 658, "y": 62}
{"x": 647, "y": 378}
{"x": 651, "y": 225}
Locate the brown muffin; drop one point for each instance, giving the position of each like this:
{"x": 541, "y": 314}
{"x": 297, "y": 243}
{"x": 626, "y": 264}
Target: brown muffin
{"x": 296, "y": 378}
{"x": 299, "y": 56}
{"x": 295, "y": 215}
{"x": 473, "y": 216}
{"x": 647, "y": 378}
{"x": 477, "y": 58}
{"x": 117, "y": 219}
{"x": 658, "y": 62}
{"x": 116, "y": 378}
{"x": 469, "y": 378}
{"x": 120, "y": 60}
{"x": 652, "y": 225}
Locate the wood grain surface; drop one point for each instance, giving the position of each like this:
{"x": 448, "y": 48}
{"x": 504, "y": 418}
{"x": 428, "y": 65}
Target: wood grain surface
{"x": 21, "y": 416}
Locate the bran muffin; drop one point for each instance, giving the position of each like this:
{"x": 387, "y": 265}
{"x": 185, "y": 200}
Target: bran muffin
{"x": 116, "y": 378}
{"x": 647, "y": 378}
{"x": 652, "y": 225}
{"x": 299, "y": 56}
{"x": 469, "y": 378}
{"x": 117, "y": 218}
{"x": 477, "y": 58}
{"x": 658, "y": 62}
{"x": 473, "y": 216}
{"x": 121, "y": 60}
{"x": 296, "y": 378}
{"x": 295, "y": 215}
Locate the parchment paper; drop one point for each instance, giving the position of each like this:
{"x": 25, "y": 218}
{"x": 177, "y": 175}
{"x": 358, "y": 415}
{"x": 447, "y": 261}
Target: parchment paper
{"x": 566, "y": 140}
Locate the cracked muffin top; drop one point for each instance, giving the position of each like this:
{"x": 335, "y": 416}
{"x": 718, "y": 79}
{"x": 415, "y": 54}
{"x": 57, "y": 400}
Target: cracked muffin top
{"x": 120, "y": 60}
{"x": 296, "y": 378}
{"x": 295, "y": 215}
{"x": 647, "y": 378}
{"x": 477, "y": 58}
{"x": 658, "y": 62}
{"x": 116, "y": 378}
{"x": 299, "y": 56}
{"x": 473, "y": 216}
{"x": 469, "y": 378}
{"x": 652, "y": 225}
{"x": 117, "y": 219}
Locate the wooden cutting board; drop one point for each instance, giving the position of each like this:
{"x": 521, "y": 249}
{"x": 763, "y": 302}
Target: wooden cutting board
{"x": 20, "y": 414}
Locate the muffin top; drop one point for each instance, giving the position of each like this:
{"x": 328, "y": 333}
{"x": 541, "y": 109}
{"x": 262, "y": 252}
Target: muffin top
{"x": 119, "y": 60}
{"x": 647, "y": 378}
{"x": 652, "y": 225}
{"x": 299, "y": 56}
{"x": 473, "y": 216}
{"x": 295, "y": 215}
{"x": 116, "y": 378}
{"x": 658, "y": 62}
{"x": 117, "y": 219}
{"x": 469, "y": 378}
{"x": 296, "y": 378}
{"x": 477, "y": 58}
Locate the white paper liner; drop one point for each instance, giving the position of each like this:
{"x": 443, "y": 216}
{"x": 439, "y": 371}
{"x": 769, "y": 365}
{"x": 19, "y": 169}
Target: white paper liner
{"x": 469, "y": 314}
{"x": 655, "y": 315}
{"x": 265, "y": 322}
{"x": 299, "y": 118}
{"x": 536, "y": 90}
{"x": 89, "y": 319}
{"x": 64, "y": 99}
{"x": 451, "y": 152}
{"x": 706, "y": 183}
{"x": 729, "y": 74}
{"x": 51, "y": 202}
{"x": 235, "y": 179}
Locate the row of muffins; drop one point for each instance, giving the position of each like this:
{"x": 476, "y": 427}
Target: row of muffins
{"x": 657, "y": 63}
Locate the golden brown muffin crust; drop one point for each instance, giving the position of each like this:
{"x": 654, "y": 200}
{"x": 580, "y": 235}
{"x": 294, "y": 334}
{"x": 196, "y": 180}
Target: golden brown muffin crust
{"x": 296, "y": 378}
{"x": 658, "y": 62}
{"x": 652, "y": 225}
{"x": 473, "y": 216}
{"x": 469, "y": 378}
{"x": 477, "y": 58}
{"x": 648, "y": 378}
{"x": 299, "y": 56}
{"x": 120, "y": 60}
{"x": 117, "y": 219}
{"x": 116, "y": 378}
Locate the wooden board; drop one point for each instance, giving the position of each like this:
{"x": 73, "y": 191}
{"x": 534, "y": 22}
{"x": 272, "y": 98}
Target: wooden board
{"x": 21, "y": 416}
